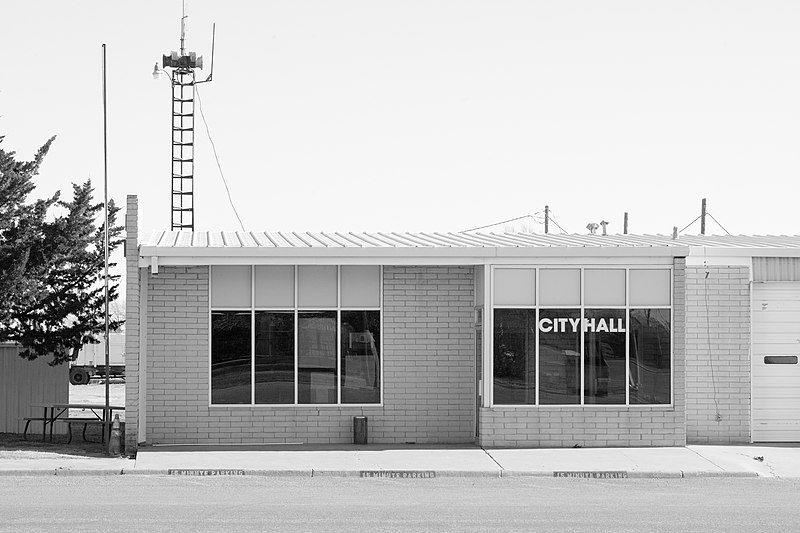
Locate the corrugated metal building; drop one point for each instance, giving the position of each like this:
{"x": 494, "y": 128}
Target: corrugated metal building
{"x": 23, "y": 383}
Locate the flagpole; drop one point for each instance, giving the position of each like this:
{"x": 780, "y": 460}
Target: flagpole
{"x": 107, "y": 410}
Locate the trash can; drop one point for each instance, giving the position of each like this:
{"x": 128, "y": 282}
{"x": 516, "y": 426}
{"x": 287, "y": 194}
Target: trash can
{"x": 359, "y": 430}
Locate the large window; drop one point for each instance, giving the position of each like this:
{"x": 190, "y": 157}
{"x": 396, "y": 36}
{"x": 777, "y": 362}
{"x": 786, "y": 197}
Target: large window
{"x": 295, "y": 335}
{"x": 582, "y": 336}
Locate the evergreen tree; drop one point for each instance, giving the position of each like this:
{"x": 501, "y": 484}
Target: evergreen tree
{"x": 52, "y": 298}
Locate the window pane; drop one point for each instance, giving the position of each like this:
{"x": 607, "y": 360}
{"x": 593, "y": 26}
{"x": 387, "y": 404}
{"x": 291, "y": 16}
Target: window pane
{"x": 604, "y": 356}
{"x": 559, "y": 356}
{"x": 274, "y": 286}
{"x": 514, "y": 286}
{"x": 650, "y": 356}
{"x": 316, "y": 348}
{"x": 316, "y": 286}
{"x": 230, "y": 357}
{"x": 514, "y": 356}
{"x": 604, "y": 287}
{"x": 274, "y": 357}
{"x": 361, "y": 365}
{"x": 361, "y": 286}
{"x": 230, "y": 286}
{"x": 559, "y": 286}
{"x": 649, "y": 287}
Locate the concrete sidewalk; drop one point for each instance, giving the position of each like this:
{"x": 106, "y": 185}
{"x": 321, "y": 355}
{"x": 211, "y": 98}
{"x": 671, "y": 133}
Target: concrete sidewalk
{"x": 422, "y": 461}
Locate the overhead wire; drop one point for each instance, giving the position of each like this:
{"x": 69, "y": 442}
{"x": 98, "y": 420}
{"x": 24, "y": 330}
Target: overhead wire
{"x": 503, "y": 222}
{"x": 216, "y": 158}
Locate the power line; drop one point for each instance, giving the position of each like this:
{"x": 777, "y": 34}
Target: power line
{"x": 533, "y": 216}
{"x": 214, "y": 148}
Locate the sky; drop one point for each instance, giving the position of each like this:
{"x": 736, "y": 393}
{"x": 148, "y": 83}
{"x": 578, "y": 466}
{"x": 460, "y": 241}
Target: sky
{"x": 423, "y": 115}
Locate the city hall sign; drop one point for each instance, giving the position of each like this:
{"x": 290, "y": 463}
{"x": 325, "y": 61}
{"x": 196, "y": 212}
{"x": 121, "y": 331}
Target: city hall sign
{"x": 589, "y": 325}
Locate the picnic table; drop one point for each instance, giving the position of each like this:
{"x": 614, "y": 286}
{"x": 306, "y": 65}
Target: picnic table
{"x": 55, "y": 412}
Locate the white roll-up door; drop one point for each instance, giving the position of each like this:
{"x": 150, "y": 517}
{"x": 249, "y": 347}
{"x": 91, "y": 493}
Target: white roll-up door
{"x": 775, "y": 364}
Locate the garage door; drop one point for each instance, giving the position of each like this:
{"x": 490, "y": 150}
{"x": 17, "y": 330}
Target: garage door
{"x": 775, "y": 365}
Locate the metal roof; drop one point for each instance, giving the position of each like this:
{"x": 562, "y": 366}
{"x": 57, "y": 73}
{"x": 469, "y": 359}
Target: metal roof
{"x": 237, "y": 239}
{"x": 219, "y": 247}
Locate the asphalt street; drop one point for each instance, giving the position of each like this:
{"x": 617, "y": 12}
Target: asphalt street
{"x": 255, "y": 503}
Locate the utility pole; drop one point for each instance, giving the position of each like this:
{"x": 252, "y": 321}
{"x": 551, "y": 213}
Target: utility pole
{"x": 546, "y": 218}
{"x": 625, "y": 225}
{"x": 703, "y": 218}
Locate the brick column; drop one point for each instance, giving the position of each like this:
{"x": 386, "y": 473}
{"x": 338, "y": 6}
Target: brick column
{"x": 131, "y": 323}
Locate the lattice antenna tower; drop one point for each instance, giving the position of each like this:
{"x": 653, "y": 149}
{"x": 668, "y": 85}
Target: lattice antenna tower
{"x": 182, "y": 67}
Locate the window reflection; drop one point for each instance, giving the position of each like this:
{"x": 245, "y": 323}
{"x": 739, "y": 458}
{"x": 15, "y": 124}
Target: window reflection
{"x": 230, "y": 357}
{"x": 274, "y": 357}
{"x": 604, "y": 356}
{"x": 559, "y": 357}
{"x": 650, "y": 356}
{"x": 316, "y": 343}
{"x": 514, "y": 356}
{"x": 361, "y": 375}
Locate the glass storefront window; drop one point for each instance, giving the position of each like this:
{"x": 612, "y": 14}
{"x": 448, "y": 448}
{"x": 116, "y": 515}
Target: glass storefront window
{"x": 515, "y": 356}
{"x": 316, "y": 359}
{"x": 361, "y": 362}
{"x": 604, "y": 356}
{"x": 274, "y": 357}
{"x": 230, "y": 357}
{"x": 272, "y": 349}
{"x": 603, "y": 336}
{"x": 650, "y": 359}
{"x": 559, "y": 356}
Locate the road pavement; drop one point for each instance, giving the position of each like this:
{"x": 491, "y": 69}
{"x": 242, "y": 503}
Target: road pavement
{"x": 260, "y": 503}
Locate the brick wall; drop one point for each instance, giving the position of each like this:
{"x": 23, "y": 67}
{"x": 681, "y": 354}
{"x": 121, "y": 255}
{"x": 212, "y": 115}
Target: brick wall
{"x": 718, "y": 355}
{"x": 600, "y": 426}
{"x": 429, "y": 367}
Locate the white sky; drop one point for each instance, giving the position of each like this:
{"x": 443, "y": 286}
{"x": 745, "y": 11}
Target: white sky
{"x": 424, "y": 115}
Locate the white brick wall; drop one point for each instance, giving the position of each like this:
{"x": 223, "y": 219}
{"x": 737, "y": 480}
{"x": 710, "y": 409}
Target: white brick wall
{"x": 590, "y": 426}
{"x": 429, "y": 368}
{"x": 718, "y": 355}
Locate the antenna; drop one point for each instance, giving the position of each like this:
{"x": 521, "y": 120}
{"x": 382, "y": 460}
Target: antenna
{"x": 183, "y": 65}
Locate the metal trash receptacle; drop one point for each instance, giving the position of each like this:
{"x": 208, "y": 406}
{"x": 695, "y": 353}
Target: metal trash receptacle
{"x": 359, "y": 430}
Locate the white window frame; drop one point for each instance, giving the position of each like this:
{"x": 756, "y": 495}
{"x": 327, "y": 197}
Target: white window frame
{"x": 296, "y": 309}
{"x": 489, "y": 369}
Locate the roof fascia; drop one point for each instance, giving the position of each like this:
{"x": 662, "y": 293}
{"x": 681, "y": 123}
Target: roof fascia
{"x": 455, "y": 255}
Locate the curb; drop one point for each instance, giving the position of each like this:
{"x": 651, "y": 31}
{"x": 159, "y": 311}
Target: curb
{"x": 63, "y": 472}
{"x": 381, "y": 474}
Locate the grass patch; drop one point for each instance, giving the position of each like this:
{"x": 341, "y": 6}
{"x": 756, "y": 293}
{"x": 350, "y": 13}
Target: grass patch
{"x": 78, "y": 447}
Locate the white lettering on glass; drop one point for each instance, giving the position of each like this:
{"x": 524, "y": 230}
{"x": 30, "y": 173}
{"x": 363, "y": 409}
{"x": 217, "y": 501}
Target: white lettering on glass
{"x": 590, "y": 325}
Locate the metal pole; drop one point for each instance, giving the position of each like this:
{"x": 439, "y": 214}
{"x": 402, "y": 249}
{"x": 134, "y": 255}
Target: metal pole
{"x": 625, "y": 225}
{"x": 703, "y": 218}
{"x": 106, "y": 411}
{"x": 546, "y": 218}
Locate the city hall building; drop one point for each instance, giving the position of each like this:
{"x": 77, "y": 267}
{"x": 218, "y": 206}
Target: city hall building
{"x": 493, "y": 339}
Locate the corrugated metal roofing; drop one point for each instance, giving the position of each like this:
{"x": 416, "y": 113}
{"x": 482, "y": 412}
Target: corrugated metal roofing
{"x": 218, "y": 239}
